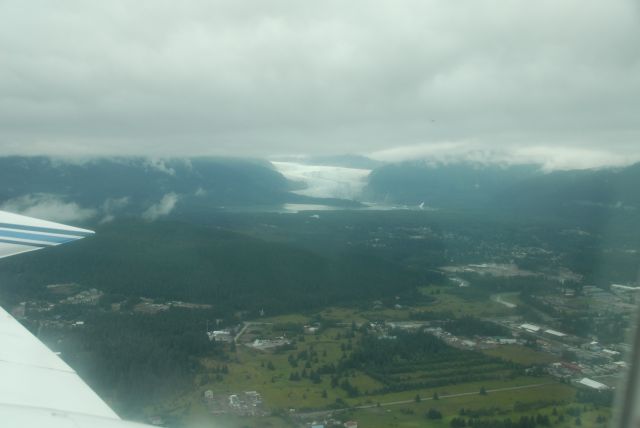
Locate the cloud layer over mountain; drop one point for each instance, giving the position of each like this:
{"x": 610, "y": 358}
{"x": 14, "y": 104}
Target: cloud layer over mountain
{"x": 198, "y": 77}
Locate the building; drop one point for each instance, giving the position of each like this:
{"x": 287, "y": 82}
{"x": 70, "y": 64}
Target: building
{"x": 555, "y": 333}
{"x": 589, "y": 383}
{"x": 220, "y": 336}
{"x": 611, "y": 353}
{"x": 311, "y": 329}
{"x": 531, "y": 328}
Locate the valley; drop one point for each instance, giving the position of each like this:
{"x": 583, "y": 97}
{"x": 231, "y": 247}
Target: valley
{"x": 386, "y": 318}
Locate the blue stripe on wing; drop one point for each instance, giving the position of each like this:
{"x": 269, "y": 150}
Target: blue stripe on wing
{"x": 26, "y": 244}
{"x": 9, "y": 234}
{"x": 79, "y": 233}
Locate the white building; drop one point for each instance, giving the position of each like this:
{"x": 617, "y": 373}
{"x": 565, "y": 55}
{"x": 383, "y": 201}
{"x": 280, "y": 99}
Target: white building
{"x": 593, "y": 384}
{"x": 555, "y": 333}
{"x": 220, "y": 335}
{"x": 611, "y": 353}
{"x": 532, "y": 328}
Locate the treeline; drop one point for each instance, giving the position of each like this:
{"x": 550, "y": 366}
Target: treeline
{"x": 471, "y": 326}
{"x": 431, "y": 315}
{"x": 376, "y": 352}
{"x": 524, "y": 422}
{"x": 599, "y": 398}
{"x": 483, "y": 285}
{"x": 408, "y": 360}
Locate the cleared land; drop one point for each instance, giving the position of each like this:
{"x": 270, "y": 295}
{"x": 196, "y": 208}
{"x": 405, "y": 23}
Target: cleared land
{"x": 521, "y": 355}
{"x": 386, "y": 395}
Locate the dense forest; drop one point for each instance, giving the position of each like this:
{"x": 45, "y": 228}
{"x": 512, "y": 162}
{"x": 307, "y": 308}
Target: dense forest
{"x": 246, "y": 261}
{"x": 173, "y": 260}
{"x": 162, "y": 352}
{"x": 522, "y": 189}
{"x": 471, "y": 326}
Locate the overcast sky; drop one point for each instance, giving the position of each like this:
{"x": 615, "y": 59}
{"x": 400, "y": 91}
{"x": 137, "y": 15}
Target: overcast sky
{"x": 548, "y": 80}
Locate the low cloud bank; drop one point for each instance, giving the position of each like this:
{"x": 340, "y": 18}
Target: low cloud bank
{"x": 550, "y": 158}
{"x": 48, "y": 207}
{"x": 162, "y": 208}
{"x": 111, "y": 206}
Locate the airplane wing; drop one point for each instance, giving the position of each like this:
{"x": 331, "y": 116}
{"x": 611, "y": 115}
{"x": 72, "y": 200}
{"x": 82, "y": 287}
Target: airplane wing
{"x": 19, "y": 234}
{"x": 37, "y": 388}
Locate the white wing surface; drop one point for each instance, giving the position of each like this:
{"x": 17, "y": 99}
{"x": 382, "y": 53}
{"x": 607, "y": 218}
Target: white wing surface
{"x": 37, "y": 388}
{"x": 19, "y": 234}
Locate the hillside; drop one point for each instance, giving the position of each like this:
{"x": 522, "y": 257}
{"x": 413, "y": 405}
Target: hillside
{"x": 521, "y": 189}
{"x": 170, "y": 260}
{"x": 101, "y": 189}
{"x": 443, "y": 186}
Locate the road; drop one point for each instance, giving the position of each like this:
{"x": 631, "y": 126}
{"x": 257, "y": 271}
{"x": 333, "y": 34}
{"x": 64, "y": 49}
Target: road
{"x": 441, "y": 397}
{"x": 244, "y": 328}
{"x": 498, "y": 299}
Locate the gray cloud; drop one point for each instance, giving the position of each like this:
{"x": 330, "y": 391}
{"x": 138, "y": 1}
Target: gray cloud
{"x": 162, "y": 208}
{"x": 111, "y": 206}
{"x": 49, "y": 207}
{"x": 534, "y": 80}
{"x": 159, "y": 165}
{"x": 550, "y": 158}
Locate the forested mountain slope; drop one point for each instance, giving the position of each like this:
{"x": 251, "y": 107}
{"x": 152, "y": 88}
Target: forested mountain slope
{"x": 173, "y": 260}
{"x": 100, "y": 189}
{"x": 524, "y": 189}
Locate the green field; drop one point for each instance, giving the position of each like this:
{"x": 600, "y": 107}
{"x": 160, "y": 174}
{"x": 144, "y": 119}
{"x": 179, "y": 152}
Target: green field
{"x": 377, "y": 405}
{"x": 500, "y": 404}
{"x": 521, "y": 355}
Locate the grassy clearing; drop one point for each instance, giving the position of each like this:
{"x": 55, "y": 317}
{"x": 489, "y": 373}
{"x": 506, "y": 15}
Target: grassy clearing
{"x": 250, "y": 371}
{"x": 455, "y": 389}
{"x": 521, "y": 355}
{"x": 511, "y": 297}
{"x": 269, "y": 373}
{"x": 463, "y": 307}
{"x": 412, "y": 414}
{"x": 344, "y": 315}
{"x": 289, "y": 318}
